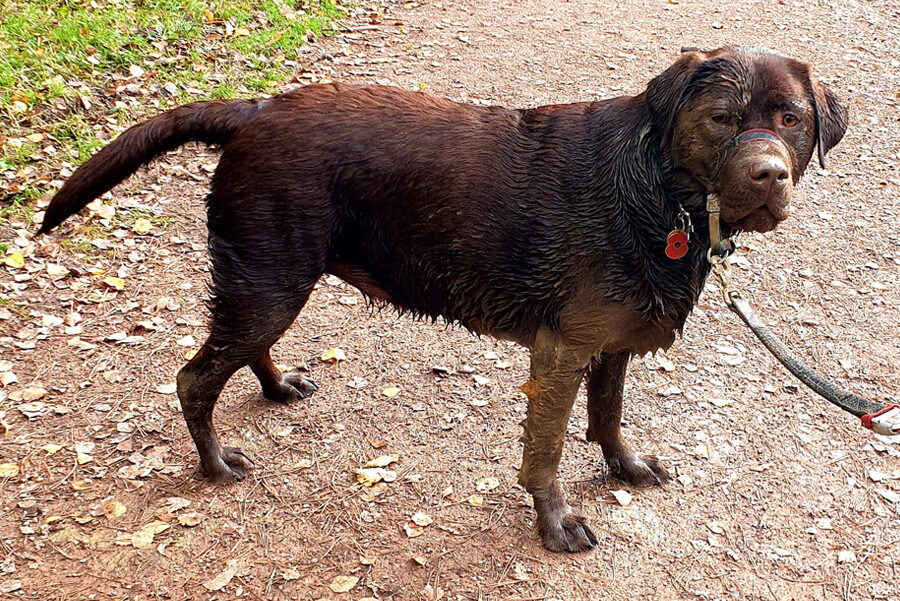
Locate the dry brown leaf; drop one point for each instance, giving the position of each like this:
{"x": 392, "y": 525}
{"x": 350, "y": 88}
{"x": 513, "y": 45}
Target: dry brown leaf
{"x": 190, "y": 519}
{"x": 413, "y": 530}
{"x": 224, "y": 577}
{"x": 32, "y": 393}
{"x": 343, "y": 584}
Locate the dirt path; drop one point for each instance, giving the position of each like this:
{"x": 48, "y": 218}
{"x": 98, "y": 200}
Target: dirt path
{"x": 777, "y": 496}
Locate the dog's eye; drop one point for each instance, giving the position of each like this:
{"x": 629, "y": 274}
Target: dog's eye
{"x": 789, "y": 120}
{"x": 720, "y": 118}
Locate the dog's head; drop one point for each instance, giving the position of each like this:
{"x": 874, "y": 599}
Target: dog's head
{"x": 744, "y": 124}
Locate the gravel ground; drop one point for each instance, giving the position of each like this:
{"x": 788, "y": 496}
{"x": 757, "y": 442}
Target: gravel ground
{"x": 777, "y": 495}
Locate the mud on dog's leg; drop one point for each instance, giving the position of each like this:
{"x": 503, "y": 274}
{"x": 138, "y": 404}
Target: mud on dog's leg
{"x": 556, "y": 372}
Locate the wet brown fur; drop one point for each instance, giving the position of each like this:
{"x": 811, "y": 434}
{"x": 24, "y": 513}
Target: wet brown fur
{"x": 546, "y": 226}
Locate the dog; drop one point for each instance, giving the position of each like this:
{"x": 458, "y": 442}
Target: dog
{"x": 549, "y": 226}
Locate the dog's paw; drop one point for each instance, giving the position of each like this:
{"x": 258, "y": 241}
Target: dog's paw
{"x": 639, "y": 471}
{"x": 230, "y": 465}
{"x": 293, "y": 387}
{"x": 566, "y": 531}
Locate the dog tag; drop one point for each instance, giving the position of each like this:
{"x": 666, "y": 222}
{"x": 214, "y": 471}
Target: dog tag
{"x": 676, "y": 244}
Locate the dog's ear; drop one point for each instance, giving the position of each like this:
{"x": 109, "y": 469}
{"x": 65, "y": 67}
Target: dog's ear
{"x": 664, "y": 92}
{"x": 831, "y": 118}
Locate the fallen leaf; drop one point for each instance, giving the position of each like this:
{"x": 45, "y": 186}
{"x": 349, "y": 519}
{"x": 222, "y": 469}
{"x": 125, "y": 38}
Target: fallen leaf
{"x": 186, "y": 341}
{"x": 888, "y": 495}
{"x": 487, "y": 484}
{"x": 9, "y": 470}
{"x": 343, "y": 584}
{"x": 846, "y": 555}
{"x": 113, "y": 509}
{"x": 390, "y": 392}
{"x": 50, "y": 321}
{"x": 31, "y": 410}
{"x": 481, "y": 380}
{"x": 413, "y": 530}
{"x": 222, "y": 578}
{"x": 190, "y": 519}
{"x": 169, "y": 388}
{"x": 420, "y": 518}
{"x": 382, "y": 461}
{"x": 475, "y": 500}
{"x": 174, "y": 504}
{"x": 32, "y": 393}
{"x": 113, "y": 282}
{"x": 622, "y": 496}
{"x": 369, "y": 476}
{"x": 56, "y": 271}
{"x": 332, "y": 355}
{"x": 80, "y": 485}
{"x": 15, "y": 260}
{"x": 141, "y": 225}
{"x": 82, "y": 450}
{"x": 290, "y": 574}
{"x": 7, "y": 378}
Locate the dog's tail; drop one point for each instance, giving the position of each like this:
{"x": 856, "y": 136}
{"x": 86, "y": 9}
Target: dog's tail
{"x": 213, "y": 122}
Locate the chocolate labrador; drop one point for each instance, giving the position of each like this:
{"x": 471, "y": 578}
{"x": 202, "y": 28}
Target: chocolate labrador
{"x": 551, "y": 226}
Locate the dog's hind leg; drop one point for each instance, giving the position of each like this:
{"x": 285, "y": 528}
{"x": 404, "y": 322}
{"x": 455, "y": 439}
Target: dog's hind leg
{"x": 556, "y": 372}
{"x": 605, "y": 383}
{"x": 241, "y": 332}
{"x": 278, "y": 387}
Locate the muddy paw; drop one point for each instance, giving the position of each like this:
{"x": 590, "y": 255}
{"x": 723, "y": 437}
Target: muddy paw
{"x": 292, "y": 387}
{"x": 640, "y": 471}
{"x": 566, "y": 532}
{"x": 230, "y": 465}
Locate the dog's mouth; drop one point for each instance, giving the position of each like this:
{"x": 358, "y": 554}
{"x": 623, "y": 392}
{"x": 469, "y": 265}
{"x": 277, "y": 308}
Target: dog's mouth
{"x": 762, "y": 219}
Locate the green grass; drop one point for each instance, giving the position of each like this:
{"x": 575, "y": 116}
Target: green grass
{"x": 60, "y": 59}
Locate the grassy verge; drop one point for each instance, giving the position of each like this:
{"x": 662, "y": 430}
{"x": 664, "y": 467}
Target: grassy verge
{"x": 75, "y": 72}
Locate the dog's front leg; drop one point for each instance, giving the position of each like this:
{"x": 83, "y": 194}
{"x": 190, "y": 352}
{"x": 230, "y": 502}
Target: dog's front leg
{"x": 605, "y": 384}
{"x": 556, "y": 372}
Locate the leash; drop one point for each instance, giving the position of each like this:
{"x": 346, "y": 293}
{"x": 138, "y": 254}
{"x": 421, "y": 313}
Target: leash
{"x": 881, "y": 419}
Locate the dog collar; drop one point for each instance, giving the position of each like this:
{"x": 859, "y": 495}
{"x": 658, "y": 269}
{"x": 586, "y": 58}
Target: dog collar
{"x": 678, "y": 239}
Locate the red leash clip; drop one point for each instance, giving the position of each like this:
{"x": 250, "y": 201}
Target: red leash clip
{"x": 886, "y": 421}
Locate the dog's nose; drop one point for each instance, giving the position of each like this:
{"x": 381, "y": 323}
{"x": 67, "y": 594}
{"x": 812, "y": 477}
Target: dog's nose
{"x": 769, "y": 173}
